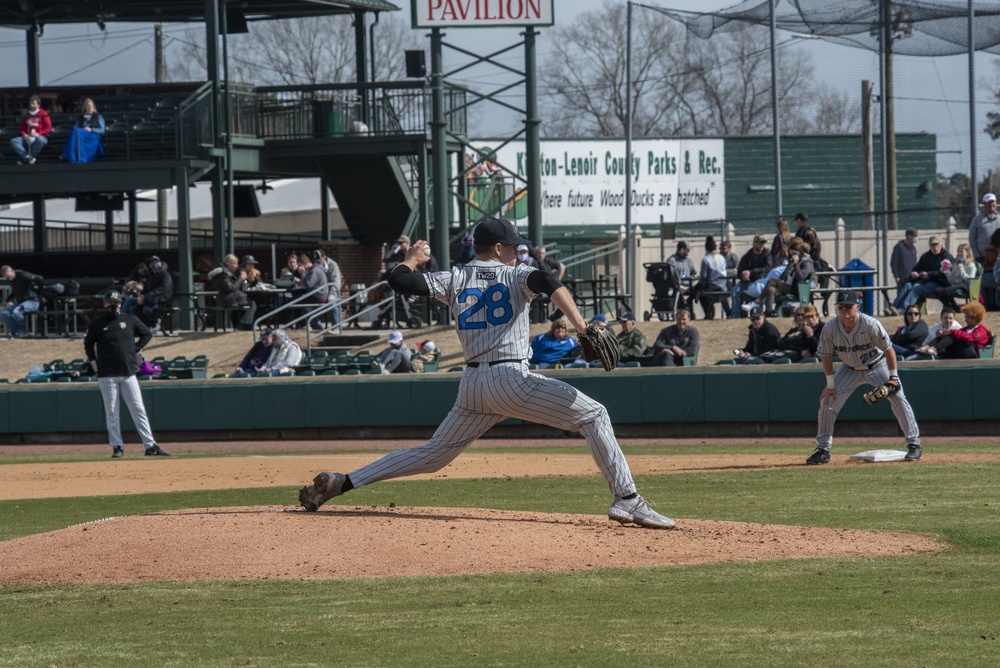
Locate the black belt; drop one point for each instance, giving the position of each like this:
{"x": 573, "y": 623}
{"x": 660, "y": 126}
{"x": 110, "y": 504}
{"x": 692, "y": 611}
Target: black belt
{"x": 476, "y": 364}
{"x": 870, "y": 366}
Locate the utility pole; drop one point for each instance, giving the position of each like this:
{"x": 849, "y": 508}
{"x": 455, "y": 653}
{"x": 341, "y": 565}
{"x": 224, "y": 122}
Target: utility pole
{"x": 161, "y": 195}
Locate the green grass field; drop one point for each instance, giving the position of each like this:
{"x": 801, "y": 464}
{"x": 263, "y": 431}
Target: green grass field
{"x": 932, "y": 610}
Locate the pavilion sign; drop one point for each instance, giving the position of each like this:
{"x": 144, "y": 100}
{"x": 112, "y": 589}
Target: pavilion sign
{"x": 482, "y": 13}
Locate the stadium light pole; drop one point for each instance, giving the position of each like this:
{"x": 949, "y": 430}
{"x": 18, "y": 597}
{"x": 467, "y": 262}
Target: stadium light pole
{"x": 974, "y": 189}
{"x": 775, "y": 119}
{"x": 629, "y": 250}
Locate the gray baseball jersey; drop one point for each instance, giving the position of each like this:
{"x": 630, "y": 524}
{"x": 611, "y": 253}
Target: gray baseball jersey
{"x": 862, "y": 353}
{"x": 489, "y": 300}
{"x": 491, "y": 303}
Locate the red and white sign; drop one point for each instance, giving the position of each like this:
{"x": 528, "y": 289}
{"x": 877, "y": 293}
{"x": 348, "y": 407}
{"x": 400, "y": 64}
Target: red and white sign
{"x": 482, "y": 13}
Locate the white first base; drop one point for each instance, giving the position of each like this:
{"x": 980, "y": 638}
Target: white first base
{"x": 880, "y": 455}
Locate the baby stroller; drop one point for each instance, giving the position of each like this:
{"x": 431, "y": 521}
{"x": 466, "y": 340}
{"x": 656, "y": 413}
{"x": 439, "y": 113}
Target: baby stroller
{"x": 667, "y": 290}
{"x": 405, "y": 316}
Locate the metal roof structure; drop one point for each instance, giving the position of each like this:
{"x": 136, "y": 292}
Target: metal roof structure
{"x": 27, "y": 13}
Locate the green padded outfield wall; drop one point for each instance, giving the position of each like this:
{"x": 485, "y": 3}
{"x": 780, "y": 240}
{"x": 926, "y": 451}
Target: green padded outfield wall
{"x": 752, "y": 395}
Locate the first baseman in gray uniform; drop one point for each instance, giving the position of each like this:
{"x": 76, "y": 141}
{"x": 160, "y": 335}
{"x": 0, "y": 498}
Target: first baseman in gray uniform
{"x": 490, "y": 297}
{"x": 867, "y": 358}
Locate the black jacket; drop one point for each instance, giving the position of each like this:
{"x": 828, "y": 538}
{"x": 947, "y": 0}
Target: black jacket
{"x": 158, "y": 288}
{"x": 910, "y": 336}
{"x": 25, "y": 286}
{"x": 113, "y": 340}
{"x": 931, "y": 263}
{"x": 762, "y": 340}
{"x": 758, "y": 264}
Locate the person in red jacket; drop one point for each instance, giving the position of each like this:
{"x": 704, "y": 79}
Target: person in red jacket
{"x": 964, "y": 343}
{"x": 35, "y": 128}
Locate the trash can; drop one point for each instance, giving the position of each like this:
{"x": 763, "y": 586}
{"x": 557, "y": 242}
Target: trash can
{"x": 328, "y": 119}
{"x": 861, "y": 280}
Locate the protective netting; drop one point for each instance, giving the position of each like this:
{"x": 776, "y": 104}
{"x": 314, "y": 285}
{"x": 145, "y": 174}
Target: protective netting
{"x": 938, "y": 28}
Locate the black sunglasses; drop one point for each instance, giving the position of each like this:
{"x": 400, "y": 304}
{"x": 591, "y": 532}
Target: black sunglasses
{"x": 913, "y": 313}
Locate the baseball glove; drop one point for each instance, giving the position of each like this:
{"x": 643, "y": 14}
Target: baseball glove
{"x": 601, "y": 344}
{"x": 884, "y": 391}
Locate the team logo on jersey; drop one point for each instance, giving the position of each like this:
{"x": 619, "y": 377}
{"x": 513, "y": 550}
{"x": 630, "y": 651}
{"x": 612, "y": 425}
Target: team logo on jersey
{"x": 483, "y": 275}
{"x": 121, "y": 325}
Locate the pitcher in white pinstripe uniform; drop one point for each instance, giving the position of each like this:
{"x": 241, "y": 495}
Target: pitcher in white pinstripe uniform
{"x": 112, "y": 344}
{"x": 490, "y": 297}
{"x": 867, "y": 358}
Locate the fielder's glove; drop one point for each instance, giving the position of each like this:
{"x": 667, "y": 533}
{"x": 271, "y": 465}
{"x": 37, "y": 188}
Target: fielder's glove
{"x": 891, "y": 386}
{"x": 601, "y": 344}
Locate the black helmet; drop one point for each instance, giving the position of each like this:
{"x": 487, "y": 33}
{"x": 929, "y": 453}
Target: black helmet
{"x": 113, "y": 296}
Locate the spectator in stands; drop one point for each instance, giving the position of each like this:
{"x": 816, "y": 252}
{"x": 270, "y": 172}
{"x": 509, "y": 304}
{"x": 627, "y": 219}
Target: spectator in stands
{"x": 228, "y": 280}
{"x": 25, "y": 297}
{"x": 798, "y": 270}
{"x": 903, "y": 259}
{"x": 256, "y": 357}
{"x": 285, "y": 354}
{"x": 84, "y": 142}
{"x": 947, "y": 324}
{"x": 248, "y": 265}
{"x": 467, "y": 253}
{"x": 964, "y": 270}
{"x": 553, "y": 265}
{"x": 552, "y": 346}
{"x": 781, "y": 242}
{"x": 36, "y": 125}
{"x": 397, "y": 253}
{"x": 801, "y": 223}
{"x": 763, "y": 337}
{"x": 425, "y": 354}
{"x": 291, "y": 268}
{"x": 676, "y": 342}
{"x": 929, "y": 274}
{"x": 152, "y": 296}
{"x": 756, "y": 288}
{"x": 964, "y": 342}
{"x": 333, "y": 280}
{"x": 982, "y": 227}
{"x": 726, "y": 251}
{"x": 991, "y": 265}
{"x": 631, "y": 338}
{"x": 396, "y": 357}
{"x": 814, "y": 326}
{"x": 684, "y": 266}
{"x": 753, "y": 266}
{"x": 799, "y": 342}
{"x": 524, "y": 257}
{"x": 910, "y": 335}
{"x": 712, "y": 278}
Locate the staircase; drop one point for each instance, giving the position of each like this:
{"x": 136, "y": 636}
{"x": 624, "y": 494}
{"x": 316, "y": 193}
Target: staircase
{"x": 372, "y": 194}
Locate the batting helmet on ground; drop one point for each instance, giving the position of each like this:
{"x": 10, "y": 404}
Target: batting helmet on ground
{"x": 113, "y": 296}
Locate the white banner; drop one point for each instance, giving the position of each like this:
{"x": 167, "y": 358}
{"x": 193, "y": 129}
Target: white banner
{"x": 583, "y": 181}
{"x": 482, "y": 13}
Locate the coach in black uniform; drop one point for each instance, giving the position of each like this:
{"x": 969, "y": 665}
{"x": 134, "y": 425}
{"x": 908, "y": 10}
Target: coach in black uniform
{"x": 112, "y": 345}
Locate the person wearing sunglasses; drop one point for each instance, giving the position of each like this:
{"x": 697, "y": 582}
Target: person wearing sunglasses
{"x": 910, "y": 335}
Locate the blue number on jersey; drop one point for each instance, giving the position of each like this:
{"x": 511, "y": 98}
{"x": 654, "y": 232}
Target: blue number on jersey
{"x": 496, "y": 301}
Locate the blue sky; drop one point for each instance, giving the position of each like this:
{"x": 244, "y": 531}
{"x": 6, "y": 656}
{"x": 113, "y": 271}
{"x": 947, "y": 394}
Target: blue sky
{"x": 931, "y": 93}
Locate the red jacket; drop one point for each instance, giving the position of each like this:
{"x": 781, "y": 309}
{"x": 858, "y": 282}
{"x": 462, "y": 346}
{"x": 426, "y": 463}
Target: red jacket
{"x": 40, "y": 122}
{"x": 978, "y": 337}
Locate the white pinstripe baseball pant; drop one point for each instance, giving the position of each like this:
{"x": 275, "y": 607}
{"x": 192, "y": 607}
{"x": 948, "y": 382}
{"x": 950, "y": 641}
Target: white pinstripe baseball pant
{"x": 845, "y": 381}
{"x": 128, "y": 388}
{"x": 489, "y": 394}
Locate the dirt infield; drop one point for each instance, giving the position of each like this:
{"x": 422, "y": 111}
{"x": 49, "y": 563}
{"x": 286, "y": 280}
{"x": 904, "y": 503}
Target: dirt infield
{"x": 347, "y": 541}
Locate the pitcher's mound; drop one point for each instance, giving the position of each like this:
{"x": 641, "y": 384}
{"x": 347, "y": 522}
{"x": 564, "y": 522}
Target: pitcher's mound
{"x": 353, "y": 541}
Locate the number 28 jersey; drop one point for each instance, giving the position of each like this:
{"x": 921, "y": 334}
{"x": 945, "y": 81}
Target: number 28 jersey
{"x": 490, "y": 302}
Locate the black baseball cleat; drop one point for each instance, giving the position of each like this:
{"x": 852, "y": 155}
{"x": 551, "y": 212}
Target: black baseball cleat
{"x": 913, "y": 453}
{"x": 117, "y": 452}
{"x": 820, "y": 456}
{"x": 155, "y": 451}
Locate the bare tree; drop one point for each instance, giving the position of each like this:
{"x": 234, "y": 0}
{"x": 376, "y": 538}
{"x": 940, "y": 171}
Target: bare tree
{"x": 680, "y": 84}
{"x": 299, "y": 51}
